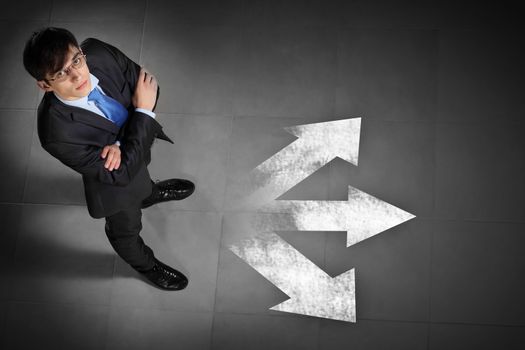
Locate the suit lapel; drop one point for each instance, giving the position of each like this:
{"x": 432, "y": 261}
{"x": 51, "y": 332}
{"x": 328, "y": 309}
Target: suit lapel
{"x": 93, "y": 119}
{"x": 110, "y": 87}
{"x": 86, "y": 117}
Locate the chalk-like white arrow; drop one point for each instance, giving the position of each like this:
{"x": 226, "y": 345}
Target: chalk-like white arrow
{"x": 317, "y": 144}
{"x": 362, "y": 216}
{"x": 312, "y": 292}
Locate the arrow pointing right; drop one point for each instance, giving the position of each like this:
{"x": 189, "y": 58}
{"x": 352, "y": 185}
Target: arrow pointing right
{"x": 362, "y": 216}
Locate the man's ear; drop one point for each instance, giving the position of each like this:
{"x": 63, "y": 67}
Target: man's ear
{"x": 42, "y": 84}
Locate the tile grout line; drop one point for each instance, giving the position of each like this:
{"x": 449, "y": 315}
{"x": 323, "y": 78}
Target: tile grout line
{"x": 313, "y": 120}
{"x": 18, "y": 109}
{"x": 143, "y": 31}
{"x": 50, "y": 17}
{"x": 422, "y": 322}
{"x": 434, "y": 193}
{"x": 216, "y": 283}
{"x": 109, "y": 306}
{"x": 335, "y": 81}
{"x": 34, "y": 126}
{"x": 106, "y": 333}
{"x": 3, "y": 324}
{"x": 228, "y": 161}
{"x": 27, "y": 161}
{"x": 337, "y": 63}
{"x": 181, "y": 210}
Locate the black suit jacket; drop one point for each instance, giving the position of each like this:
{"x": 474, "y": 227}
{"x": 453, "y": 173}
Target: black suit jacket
{"x": 76, "y": 136}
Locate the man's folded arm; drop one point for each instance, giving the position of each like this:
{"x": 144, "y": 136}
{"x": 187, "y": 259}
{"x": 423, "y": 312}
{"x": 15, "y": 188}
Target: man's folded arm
{"x": 87, "y": 160}
{"x": 131, "y": 71}
{"x": 128, "y": 67}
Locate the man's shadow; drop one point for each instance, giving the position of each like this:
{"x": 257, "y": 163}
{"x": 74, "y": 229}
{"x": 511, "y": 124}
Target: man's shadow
{"x": 38, "y": 248}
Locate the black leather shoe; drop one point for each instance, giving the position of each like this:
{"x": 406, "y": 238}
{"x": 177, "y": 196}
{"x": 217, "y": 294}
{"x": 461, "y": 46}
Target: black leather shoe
{"x": 169, "y": 190}
{"x": 166, "y": 277}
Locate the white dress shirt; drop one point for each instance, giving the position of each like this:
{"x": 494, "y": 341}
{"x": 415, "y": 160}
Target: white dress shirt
{"x": 83, "y": 102}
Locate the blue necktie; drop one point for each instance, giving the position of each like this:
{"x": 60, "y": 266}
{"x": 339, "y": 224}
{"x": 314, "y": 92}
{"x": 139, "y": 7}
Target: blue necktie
{"x": 111, "y": 108}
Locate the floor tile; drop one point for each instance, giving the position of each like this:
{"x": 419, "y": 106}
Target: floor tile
{"x": 392, "y": 271}
{"x": 472, "y": 14}
{"x": 16, "y": 129}
{"x": 240, "y": 288}
{"x": 98, "y": 10}
{"x": 3, "y": 310}
{"x": 396, "y": 164}
{"x": 480, "y": 76}
{"x": 314, "y": 187}
{"x": 135, "y": 328}
{"x": 200, "y": 154}
{"x": 195, "y": 66}
{"x": 63, "y": 256}
{"x": 253, "y": 141}
{"x": 55, "y": 326}
{"x": 375, "y": 335}
{"x": 285, "y": 72}
{"x": 27, "y": 10}
{"x": 479, "y": 168}
{"x": 18, "y": 88}
{"x": 124, "y": 35}
{"x": 187, "y": 241}
{"x": 386, "y": 14}
{"x": 228, "y": 12}
{"x": 387, "y": 74}
{"x": 461, "y": 336}
{"x": 477, "y": 271}
{"x": 235, "y": 331}
{"x": 10, "y": 215}
{"x": 50, "y": 181}
{"x": 296, "y": 13}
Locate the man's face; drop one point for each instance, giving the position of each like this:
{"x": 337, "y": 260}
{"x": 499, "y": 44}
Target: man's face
{"x": 76, "y": 84}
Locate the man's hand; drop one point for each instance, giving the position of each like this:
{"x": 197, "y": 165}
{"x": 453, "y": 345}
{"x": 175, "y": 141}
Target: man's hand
{"x": 146, "y": 91}
{"x": 112, "y": 152}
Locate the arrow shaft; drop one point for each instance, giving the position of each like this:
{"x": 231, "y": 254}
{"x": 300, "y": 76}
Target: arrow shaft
{"x": 311, "y": 291}
{"x": 362, "y": 216}
{"x": 287, "y": 168}
{"x": 280, "y": 263}
{"x": 309, "y": 215}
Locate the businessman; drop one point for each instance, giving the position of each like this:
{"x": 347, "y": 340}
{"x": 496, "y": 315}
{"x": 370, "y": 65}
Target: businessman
{"x": 96, "y": 117}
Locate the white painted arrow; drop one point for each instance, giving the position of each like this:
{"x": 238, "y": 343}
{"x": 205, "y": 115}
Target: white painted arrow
{"x": 312, "y": 291}
{"x": 362, "y": 216}
{"x": 317, "y": 144}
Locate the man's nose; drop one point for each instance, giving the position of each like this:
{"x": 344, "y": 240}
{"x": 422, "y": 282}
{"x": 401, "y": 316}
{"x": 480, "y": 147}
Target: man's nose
{"x": 74, "y": 74}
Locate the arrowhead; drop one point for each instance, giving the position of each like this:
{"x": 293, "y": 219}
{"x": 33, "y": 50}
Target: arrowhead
{"x": 339, "y": 138}
{"x": 370, "y": 216}
{"x": 332, "y": 298}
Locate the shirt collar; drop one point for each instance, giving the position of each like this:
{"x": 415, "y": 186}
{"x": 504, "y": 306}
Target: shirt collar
{"x": 82, "y": 101}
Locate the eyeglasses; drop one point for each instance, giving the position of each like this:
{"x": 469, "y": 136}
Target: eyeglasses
{"x": 78, "y": 62}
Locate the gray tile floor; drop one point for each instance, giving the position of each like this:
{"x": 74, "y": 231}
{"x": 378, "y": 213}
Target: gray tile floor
{"x": 439, "y": 87}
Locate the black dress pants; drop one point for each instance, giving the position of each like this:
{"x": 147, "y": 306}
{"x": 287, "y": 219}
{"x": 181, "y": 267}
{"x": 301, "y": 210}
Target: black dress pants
{"x": 123, "y": 229}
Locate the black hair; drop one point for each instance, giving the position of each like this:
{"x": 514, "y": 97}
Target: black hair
{"x": 46, "y": 51}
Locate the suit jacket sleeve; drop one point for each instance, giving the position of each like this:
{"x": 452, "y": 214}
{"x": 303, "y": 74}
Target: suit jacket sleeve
{"x": 130, "y": 71}
{"x": 86, "y": 159}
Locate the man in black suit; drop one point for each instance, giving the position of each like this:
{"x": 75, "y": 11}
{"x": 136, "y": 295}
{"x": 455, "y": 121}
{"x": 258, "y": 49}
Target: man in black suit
{"x": 97, "y": 118}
